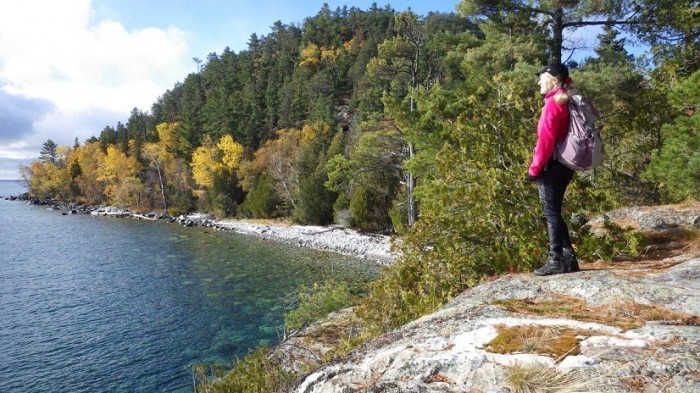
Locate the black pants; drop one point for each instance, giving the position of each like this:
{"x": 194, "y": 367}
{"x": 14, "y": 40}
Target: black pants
{"x": 552, "y": 185}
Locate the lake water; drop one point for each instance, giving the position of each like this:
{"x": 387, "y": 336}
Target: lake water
{"x": 94, "y": 304}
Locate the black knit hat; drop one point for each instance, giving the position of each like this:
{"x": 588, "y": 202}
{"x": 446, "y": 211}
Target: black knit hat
{"x": 557, "y": 70}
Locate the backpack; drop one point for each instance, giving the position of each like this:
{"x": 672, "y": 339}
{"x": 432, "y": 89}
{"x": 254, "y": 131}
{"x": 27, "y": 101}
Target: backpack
{"x": 583, "y": 147}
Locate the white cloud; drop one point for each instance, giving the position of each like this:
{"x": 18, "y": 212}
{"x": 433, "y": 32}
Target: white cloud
{"x": 53, "y": 50}
{"x": 93, "y": 72}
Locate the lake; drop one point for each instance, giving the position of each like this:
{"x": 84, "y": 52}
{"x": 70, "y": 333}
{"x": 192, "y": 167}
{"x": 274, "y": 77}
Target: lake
{"x": 101, "y": 304}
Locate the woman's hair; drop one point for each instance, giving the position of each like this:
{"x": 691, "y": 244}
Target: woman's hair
{"x": 557, "y": 71}
{"x": 561, "y": 97}
{"x": 560, "y": 81}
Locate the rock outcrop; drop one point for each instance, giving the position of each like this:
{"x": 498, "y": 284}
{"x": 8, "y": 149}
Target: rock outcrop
{"x": 653, "y": 218}
{"x": 624, "y": 327}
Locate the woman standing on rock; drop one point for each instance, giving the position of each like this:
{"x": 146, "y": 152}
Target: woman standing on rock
{"x": 551, "y": 176}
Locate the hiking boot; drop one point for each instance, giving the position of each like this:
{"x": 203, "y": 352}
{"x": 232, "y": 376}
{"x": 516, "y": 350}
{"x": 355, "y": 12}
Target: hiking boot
{"x": 570, "y": 262}
{"x": 555, "y": 265}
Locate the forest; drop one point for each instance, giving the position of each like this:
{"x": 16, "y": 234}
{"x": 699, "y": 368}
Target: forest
{"x": 415, "y": 125}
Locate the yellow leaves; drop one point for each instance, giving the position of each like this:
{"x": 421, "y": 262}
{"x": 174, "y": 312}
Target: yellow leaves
{"x": 48, "y": 180}
{"x": 114, "y": 170}
{"x": 352, "y": 45}
{"x": 90, "y": 158}
{"x": 311, "y": 50}
{"x": 130, "y": 191}
{"x": 276, "y": 157}
{"x": 166, "y": 135}
{"x": 312, "y": 55}
{"x": 311, "y": 132}
{"x": 154, "y": 152}
{"x": 211, "y": 160}
{"x": 232, "y": 152}
{"x": 205, "y": 163}
{"x": 117, "y": 166}
{"x": 329, "y": 54}
{"x": 62, "y": 154}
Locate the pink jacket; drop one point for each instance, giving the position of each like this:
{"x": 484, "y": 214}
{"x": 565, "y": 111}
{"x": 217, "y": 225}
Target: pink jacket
{"x": 551, "y": 128}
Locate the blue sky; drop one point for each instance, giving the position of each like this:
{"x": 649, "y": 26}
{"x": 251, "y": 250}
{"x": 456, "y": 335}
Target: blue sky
{"x": 211, "y": 25}
{"x": 69, "y": 68}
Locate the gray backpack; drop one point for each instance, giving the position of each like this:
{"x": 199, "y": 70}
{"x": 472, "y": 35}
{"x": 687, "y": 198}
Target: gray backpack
{"x": 582, "y": 148}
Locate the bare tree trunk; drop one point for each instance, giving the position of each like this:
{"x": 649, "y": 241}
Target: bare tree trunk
{"x": 557, "y": 34}
{"x": 410, "y": 187}
{"x": 411, "y": 179}
{"x": 162, "y": 189}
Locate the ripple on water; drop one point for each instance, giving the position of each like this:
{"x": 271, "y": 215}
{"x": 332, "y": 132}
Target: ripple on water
{"x": 97, "y": 304}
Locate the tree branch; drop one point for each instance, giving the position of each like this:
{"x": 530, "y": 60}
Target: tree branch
{"x": 532, "y": 9}
{"x": 601, "y": 23}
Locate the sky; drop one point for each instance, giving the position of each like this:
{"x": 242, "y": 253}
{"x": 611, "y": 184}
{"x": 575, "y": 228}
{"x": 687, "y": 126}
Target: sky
{"x": 69, "y": 68}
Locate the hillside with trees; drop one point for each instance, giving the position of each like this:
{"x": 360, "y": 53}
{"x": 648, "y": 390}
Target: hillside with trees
{"x": 417, "y": 125}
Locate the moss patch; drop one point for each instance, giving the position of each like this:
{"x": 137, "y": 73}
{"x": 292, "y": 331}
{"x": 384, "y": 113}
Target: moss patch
{"x": 624, "y": 315}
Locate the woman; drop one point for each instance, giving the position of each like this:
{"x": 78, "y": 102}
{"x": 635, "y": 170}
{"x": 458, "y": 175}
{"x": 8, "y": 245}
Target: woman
{"x": 551, "y": 176}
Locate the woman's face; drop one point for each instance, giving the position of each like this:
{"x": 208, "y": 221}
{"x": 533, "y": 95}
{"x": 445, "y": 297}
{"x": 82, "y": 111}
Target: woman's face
{"x": 547, "y": 83}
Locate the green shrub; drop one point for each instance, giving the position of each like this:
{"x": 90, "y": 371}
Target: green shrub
{"x": 341, "y": 211}
{"x": 315, "y": 204}
{"x": 261, "y": 201}
{"x": 616, "y": 243}
{"x": 258, "y": 372}
{"x": 675, "y": 165}
{"x": 317, "y": 301}
{"x": 399, "y": 213}
{"x": 368, "y": 206}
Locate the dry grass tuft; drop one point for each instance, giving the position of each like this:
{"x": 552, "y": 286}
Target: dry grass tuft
{"x": 535, "y": 378}
{"x": 624, "y": 315}
{"x": 557, "y": 342}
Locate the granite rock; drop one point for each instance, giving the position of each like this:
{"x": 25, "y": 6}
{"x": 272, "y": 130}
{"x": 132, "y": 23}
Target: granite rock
{"x": 449, "y": 351}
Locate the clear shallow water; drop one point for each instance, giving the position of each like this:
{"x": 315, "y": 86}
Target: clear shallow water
{"x": 97, "y": 304}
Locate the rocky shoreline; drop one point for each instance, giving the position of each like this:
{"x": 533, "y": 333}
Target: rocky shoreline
{"x": 374, "y": 247}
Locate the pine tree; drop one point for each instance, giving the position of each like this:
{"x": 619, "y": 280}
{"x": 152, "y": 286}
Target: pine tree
{"x": 48, "y": 152}
{"x": 675, "y": 165}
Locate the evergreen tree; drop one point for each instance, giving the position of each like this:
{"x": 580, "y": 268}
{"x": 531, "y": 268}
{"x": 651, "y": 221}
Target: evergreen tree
{"x": 261, "y": 200}
{"x": 108, "y": 137}
{"x": 189, "y": 118}
{"x": 632, "y": 114}
{"x": 75, "y": 172}
{"x": 48, "y": 152}
{"x": 675, "y": 165}
{"x": 315, "y": 201}
{"x": 140, "y": 129}
{"x": 562, "y": 17}
{"x": 611, "y": 50}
